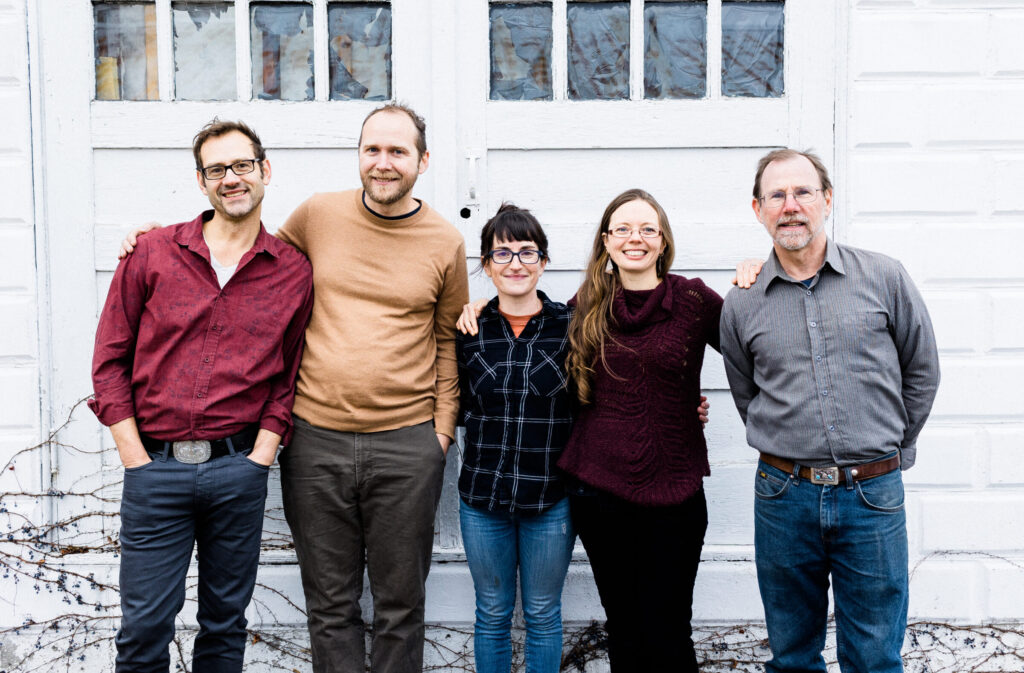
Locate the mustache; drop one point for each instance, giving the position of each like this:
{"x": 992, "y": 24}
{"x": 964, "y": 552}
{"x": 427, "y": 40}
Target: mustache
{"x": 795, "y": 219}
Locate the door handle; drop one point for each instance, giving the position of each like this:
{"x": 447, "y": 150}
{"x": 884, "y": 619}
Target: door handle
{"x": 471, "y": 177}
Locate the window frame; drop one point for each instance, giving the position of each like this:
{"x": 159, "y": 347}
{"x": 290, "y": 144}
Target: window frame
{"x": 243, "y": 54}
{"x": 713, "y": 45}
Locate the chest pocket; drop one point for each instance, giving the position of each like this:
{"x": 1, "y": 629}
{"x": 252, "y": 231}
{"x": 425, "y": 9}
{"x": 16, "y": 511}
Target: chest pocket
{"x": 481, "y": 376}
{"x": 547, "y": 375}
{"x": 261, "y": 315}
{"x": 865, "y": 342}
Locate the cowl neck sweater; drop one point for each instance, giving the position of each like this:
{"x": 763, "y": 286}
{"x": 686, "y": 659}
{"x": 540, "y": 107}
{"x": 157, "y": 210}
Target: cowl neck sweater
{"x": 640, "y": 438}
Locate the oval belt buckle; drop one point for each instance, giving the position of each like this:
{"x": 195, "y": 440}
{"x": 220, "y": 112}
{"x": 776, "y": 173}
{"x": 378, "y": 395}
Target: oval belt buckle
{"x": 192, "y": 451}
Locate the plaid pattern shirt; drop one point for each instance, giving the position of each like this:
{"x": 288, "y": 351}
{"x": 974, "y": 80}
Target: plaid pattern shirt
{"x": 516, "y": 410}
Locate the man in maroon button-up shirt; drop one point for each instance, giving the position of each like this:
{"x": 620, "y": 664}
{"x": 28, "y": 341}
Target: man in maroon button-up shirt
{"x": 200, "y": 339}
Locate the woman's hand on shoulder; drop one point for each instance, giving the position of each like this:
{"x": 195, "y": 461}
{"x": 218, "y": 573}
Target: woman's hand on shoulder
{"x": 470, "y": 312}
{"x": 746, "y": 272}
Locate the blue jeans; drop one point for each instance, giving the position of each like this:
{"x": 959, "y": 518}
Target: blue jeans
{"x": 167, "y": 508}
{"x": 857, "y": 533}
{"x": 540, "y": 547}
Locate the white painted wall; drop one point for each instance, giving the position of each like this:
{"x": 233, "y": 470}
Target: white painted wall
{"x": 928, "y": 161}
{"x": 936, "y": 162}
{"x": 20, "y": 343}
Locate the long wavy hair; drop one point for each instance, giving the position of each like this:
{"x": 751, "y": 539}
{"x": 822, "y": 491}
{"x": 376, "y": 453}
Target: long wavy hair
{"x": 589, "y": 328}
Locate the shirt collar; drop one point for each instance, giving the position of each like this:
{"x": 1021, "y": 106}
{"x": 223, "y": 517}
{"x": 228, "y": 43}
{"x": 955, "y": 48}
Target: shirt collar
{"x": 773, "y": 270}
{"x": 547, "y": 307}
{"x": 190, "y": 235}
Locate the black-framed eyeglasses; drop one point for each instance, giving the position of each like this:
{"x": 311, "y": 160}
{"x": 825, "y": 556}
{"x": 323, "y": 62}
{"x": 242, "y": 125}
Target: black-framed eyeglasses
{"x": 778, "y": 198}
{"x": 216, "y": 172}
{"x": 504, "y": 256}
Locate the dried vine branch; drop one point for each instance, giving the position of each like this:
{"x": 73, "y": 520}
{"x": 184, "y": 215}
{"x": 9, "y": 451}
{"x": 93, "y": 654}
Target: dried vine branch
{"x": 38, "y": 555}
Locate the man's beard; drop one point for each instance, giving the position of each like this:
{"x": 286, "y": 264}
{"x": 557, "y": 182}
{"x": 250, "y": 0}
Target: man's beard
{"x": 390, "y": 194}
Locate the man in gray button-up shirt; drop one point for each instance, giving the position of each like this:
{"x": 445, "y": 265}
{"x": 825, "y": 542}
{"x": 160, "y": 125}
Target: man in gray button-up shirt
{"x": 832, "y": 364}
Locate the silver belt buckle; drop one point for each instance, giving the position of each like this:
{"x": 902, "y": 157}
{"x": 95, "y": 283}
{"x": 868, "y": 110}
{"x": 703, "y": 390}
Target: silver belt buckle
{"x": 827, "y": 476}
{"x": 192, "y": 451}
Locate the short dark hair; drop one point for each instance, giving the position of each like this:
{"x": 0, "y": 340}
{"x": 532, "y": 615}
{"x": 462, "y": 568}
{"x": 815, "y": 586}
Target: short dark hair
{"x": 417, "y": 121}
{"x": 786, "y": 153}
{"x": 216, "y": 128}
{"x": 512, "y": 223}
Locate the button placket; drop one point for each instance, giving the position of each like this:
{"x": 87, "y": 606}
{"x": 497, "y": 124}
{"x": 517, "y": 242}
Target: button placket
{"x": 819, "y": 365}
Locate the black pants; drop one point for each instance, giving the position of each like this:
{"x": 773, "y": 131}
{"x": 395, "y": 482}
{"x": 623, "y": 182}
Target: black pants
{"x": 167, "y": 508}
{"x": 645, "y": 563}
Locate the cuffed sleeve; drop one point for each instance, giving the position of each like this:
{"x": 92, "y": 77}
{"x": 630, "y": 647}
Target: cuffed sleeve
{"x": 116, "y": 335}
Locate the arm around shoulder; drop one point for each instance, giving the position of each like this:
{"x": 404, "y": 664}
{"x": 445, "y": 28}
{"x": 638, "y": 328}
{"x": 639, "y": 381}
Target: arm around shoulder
{"x": 116, "y": 337}
{"x": 276, "y": 416}
{"x": 454, "y": 294}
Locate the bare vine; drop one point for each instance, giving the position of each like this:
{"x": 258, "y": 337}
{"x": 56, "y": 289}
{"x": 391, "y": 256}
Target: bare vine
{"x": 39, "y": 555}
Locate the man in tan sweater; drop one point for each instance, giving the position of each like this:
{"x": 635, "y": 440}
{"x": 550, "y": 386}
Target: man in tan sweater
{"x": 376, "y": 399}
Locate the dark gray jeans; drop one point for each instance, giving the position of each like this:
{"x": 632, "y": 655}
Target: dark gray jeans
{"x": 167, "y": 508}
{"x": 354, "y": 496}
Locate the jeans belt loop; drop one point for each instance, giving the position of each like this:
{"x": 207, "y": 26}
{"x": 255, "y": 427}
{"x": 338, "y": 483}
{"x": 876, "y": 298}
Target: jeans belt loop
{"x": 848, "y": 471}
{"x": 165, "y": 452}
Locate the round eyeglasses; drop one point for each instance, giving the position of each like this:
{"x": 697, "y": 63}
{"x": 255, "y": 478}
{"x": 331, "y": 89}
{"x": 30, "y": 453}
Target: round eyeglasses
{"x": 646, "y": 231}
{"x": 217, "y": 172}
{"x": 778, "y": 198}
{"x": 528, "y": 256}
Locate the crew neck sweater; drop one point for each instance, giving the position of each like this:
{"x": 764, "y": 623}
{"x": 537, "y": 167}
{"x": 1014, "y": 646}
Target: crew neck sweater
{"x": 380, "y": 348}
{"x": 640, "y": 438}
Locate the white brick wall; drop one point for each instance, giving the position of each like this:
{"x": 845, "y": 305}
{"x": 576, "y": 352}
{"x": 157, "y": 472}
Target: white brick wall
{"x": 935, "y": 166}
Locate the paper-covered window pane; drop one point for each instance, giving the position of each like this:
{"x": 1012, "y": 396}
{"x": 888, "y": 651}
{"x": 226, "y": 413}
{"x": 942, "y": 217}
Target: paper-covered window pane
{"x": 598, "y": 50}
{"x": 521, "y": 52}
{"x": 752, "y": 49}
{"x": 360, "y": 50}
{"x": 675, "y": 49}
{"x": 282, "y": 51}
{"x": 125, "y": 41}
{"x": 204, "y": 50}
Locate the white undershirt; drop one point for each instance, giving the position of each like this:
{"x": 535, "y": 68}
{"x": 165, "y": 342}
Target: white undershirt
{"x": 223, "y": 272}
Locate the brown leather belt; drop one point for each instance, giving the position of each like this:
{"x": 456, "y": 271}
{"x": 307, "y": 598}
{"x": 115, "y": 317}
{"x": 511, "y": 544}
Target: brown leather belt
{"x": 833, "y": 474}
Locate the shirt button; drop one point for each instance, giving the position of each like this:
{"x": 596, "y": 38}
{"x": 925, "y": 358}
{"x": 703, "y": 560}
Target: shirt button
{"x": 814, "y": 324}
{"x": 199, "y": 394}
{"x": 808, "y": 293}
{"x": 817, "y": 358}
{"x": 206, "y": 359}
{"x": 831, "y": 427}
{"x": 824, "y": 392}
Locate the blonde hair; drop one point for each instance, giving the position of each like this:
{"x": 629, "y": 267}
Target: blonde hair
{"x": 589, "y": 328}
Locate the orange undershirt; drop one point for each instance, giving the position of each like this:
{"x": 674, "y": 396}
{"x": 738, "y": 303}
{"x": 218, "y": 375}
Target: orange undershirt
{"x": 517, "y": 322}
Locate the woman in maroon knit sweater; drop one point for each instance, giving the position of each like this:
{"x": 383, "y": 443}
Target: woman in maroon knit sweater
{"x": 637, "y": 456}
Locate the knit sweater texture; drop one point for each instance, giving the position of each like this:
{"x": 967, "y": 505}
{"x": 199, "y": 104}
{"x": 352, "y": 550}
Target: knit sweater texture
{"x": 380, "y": 348}
{"x": 640, "y": 438}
